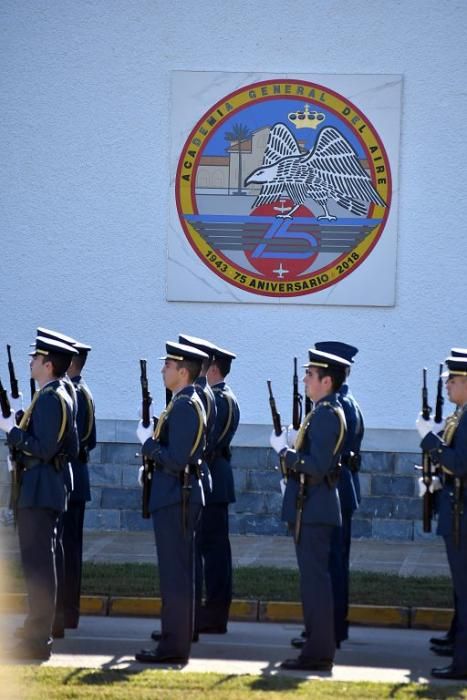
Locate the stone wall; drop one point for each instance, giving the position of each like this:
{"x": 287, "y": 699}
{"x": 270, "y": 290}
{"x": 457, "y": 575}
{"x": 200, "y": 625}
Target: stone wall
{"x": 389, "y": 508}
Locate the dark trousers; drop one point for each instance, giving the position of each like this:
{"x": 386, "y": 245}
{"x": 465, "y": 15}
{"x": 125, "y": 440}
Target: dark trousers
{"x": 73, "y": 521}
{"x": 457, "y": 558}
{"x": 175, "y": 552}
{"x": 316, "y": 591}
{"x": 59, "y": 619}
{"x": 37, "y": 533}
{"x": 339, "y": 564}
{"x": 216, "y": 558}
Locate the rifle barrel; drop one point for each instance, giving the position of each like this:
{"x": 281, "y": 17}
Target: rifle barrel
{"x": 11, "y": 370}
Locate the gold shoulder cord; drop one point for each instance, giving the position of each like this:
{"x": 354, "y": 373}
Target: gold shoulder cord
{"x": 201, "y": 425}
{"x": 90, "y": 406}
{"x": 228, "y": 422}
{"x": 451, "y": 426}
{"x": 165, "y": 413}
{"x": 162, "y": 419}
{"x": 304, "y": 427}
{"x": 28, "y": 412}
{"x": 302, "y": 431}
{"x": 24, "y": 422}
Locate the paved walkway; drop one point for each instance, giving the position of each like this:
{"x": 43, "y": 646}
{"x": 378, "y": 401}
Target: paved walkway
{"x": 371, "y": 654}
{"x": 421, "y": 558}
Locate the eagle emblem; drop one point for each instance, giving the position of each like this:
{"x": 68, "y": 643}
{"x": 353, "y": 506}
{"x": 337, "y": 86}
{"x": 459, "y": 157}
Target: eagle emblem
{"x": 331, "y": 170}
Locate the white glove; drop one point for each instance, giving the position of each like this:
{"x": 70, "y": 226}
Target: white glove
{"x": 140, "y": 476}
{"x": 143, "y": 433}
{"x": 16, "y": 404}
{"x": 425, "y": 426}
{"x": 6, "y": 424}
{"x": 291, "y": 436}
{"x": 435, "y": 485}
{"x": 439, "y": 427}
{"x": 278, "y": 442}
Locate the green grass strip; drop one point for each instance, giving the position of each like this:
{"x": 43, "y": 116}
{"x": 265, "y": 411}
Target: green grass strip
{"x": 31, "y": 683}
{"x": 264, "y": 583}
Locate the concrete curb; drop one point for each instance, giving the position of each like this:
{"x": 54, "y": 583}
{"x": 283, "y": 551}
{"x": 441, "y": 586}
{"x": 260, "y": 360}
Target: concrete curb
{"x": 253, "y": 611}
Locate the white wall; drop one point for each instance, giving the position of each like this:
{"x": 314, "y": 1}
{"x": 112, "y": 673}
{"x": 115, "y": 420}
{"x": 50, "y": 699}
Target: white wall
{"x": 85, "y": 186}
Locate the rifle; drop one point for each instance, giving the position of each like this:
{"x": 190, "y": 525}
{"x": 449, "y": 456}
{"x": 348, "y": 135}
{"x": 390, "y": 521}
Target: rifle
{"x": 32, "y": 387}
{"x": 276, "y": 422}
{"x": 439, "y": 397}
{"x": 11, "y": 370}
{"x": 299, "y": 507}
{"x": 4, "y": 402}
{"x": 14, "y": 389}
{"x": 457, "y": 510}
{"x": 297, "y": 400}
{"x": 426, "y": 464}
{"x": 6, "y": 412}
{"x": 148, "y": 464}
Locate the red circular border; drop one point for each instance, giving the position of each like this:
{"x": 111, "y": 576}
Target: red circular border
{"x": 282, "y": 81}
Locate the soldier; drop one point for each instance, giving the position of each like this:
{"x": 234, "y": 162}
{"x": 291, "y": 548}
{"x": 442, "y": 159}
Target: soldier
{"x": 349, "y": 492}
{"x": 214, "y": 541}
{"x": 444, "y": 645}
{"x": 44, "y": 441}
{"x": 58, "y": 628}
{"x": 348, "y": 488}
{"x": 207, "y": 397}
{"x": 73, "y": 518}
{"x": 177, "y": 447}
{"x": 311, "y": 503}
{"x": 449, "y": 453}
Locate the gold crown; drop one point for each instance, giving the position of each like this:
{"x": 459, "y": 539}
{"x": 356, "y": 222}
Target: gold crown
{"x": 306, "y": 119}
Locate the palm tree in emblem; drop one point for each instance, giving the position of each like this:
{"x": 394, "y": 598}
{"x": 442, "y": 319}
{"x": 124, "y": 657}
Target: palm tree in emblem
{"x": 240, "y": 134}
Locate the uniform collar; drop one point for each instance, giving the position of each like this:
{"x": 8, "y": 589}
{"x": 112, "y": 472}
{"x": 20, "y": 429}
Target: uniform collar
{"x": 329, "y": 398}
{"x": 188, "y": 390}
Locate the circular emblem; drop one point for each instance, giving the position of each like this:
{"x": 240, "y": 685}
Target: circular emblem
{"x": 283, "y": 188}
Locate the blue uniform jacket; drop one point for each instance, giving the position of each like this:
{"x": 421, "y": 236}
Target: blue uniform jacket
{"x": 454, "y": 458}
{"x": 48, "y": 430}
{"x": 318, "y": 456}
{"x": 86, "y": 425}
{"x": 349, "y": 482}
{"x": 179, "y": 440}
{"x": 227, "y": 419}
{"x": 209, "y": 402}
